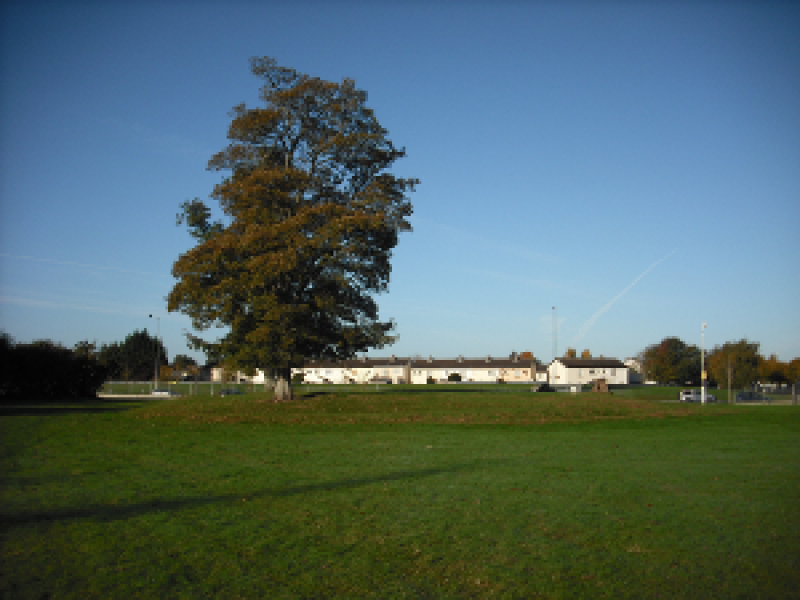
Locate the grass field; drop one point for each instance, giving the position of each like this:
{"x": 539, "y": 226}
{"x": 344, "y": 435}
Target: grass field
{"x": 433, "y": 493}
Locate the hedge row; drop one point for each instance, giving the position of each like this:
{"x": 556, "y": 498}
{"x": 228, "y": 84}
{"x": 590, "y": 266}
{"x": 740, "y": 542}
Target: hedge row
{"x": 45, "y": 371}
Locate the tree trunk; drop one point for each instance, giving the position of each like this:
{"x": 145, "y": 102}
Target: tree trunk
{"x": 283, "y": 385}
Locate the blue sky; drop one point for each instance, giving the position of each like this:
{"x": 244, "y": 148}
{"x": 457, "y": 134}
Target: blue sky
{"x": 634, "y": 164}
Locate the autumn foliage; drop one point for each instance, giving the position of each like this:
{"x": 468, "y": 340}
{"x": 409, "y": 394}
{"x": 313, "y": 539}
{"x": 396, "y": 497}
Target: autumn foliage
{"x": 311, "y": 218}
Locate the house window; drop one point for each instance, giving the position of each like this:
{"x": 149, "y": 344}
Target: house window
{"x": 613, "y": 372}
{"x": 591, "y": 371}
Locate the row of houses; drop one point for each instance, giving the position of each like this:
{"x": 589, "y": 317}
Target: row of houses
{"x": 417, "y": 370}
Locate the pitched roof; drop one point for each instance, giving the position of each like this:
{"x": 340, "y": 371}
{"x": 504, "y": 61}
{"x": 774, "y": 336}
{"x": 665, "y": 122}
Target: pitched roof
{"x": 423, "y": 363}
{"x": 577, "y": 363}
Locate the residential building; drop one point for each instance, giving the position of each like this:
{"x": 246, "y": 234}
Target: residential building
{"x": 418, "y": 370}
{"x": 580, "y": 371}
{"x": 489, "y": 369}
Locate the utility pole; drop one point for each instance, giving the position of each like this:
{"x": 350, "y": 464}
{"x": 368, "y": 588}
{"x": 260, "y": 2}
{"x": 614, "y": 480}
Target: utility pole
{"x": 703, "y": 363}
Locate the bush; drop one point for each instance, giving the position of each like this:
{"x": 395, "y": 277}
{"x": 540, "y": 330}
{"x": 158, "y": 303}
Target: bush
{"x": 430, "y": 381}
{"x": 43, "y": 370}
{"x": 454, "y": 377}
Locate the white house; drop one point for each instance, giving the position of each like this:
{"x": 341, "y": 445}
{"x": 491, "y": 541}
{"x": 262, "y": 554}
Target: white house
{"x": 419, "y": 370}
{"x": 580, "y": 371}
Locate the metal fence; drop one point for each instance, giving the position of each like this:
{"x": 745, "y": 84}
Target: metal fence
{"x": 213, "y": 388}
{"x": 783, "y": 395}
{"x": 181, "y": 388}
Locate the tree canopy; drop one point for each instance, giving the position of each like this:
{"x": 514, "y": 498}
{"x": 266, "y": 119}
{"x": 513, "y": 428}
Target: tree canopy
{"x": 135, "y": 358}
{"x": 311, "y": 218}
{"x": 743, "y": 359}
{"x": 672, "y": 361}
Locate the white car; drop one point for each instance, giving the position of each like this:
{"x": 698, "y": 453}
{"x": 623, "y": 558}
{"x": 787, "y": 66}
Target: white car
{"x": 695, "y": 396}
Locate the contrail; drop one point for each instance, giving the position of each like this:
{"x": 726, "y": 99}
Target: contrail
{"x": 593, "y": 319}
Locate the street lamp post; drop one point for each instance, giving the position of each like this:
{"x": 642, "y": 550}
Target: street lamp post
{"x": 703, "y": 363}
{"x": 555, "y": 334}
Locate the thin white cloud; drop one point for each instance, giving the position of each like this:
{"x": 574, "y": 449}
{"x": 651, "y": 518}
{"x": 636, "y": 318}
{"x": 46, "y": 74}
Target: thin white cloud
{"x": 510, "y": 277}
{"x": 50, "y": 304}
{"x": 169, "y": 142}
{"x": 474, "y": 239}
{"x": 593, "y": 319}
{"x": 77, "y": 305}
{"x": 69, "y": 263}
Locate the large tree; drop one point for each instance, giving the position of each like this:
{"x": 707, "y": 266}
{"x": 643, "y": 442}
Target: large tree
{"x": 135, "y": 358}
{"x": 743, "y": 359}
{"x": 311, "y": 218}
{"x": 672, "y": 361}
{"x": 772, "y": 370}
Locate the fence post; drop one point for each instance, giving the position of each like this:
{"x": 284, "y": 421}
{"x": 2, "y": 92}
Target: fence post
{"x": 794, "y": 394}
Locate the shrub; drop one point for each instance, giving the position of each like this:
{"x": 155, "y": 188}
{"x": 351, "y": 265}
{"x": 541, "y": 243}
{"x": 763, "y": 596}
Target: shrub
{"x": 454, "y": 377}
{"x": 43, "y": 370}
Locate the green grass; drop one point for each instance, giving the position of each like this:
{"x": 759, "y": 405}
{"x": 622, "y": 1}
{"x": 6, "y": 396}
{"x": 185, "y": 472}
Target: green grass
{"x": 440, "y": 494}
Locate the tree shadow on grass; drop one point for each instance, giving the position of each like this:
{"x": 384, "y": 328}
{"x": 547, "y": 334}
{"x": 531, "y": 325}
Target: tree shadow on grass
{"x": 112, "y": 512}
{"x": 313, "y": 395}
{"x": 39, "y": 408}
{"x": 416, "y": 389}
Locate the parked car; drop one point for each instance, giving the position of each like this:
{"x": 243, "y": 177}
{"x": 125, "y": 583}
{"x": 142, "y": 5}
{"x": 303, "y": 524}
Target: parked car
{"x": 161, "y": 392}
{"x": 695, "y": 396}
{"x": 752, "y": 397}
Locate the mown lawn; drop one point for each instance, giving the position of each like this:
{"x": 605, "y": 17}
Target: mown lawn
{"x": 441, "y": 495}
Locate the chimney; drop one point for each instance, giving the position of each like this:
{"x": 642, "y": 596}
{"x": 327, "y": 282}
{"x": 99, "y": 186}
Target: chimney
{"x": 460, "y": 358}
{"x": 488, "y": 359}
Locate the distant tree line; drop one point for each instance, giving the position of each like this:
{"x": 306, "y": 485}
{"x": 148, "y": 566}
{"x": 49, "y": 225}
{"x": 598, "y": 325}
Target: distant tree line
{"x": 46, "y": 370}
{"x": 674, "y": 361}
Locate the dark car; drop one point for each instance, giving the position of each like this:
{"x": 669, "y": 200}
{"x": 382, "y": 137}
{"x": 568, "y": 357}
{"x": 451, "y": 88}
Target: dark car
{"x": 230, "y": 392}
{"x": 752, "y": 397}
